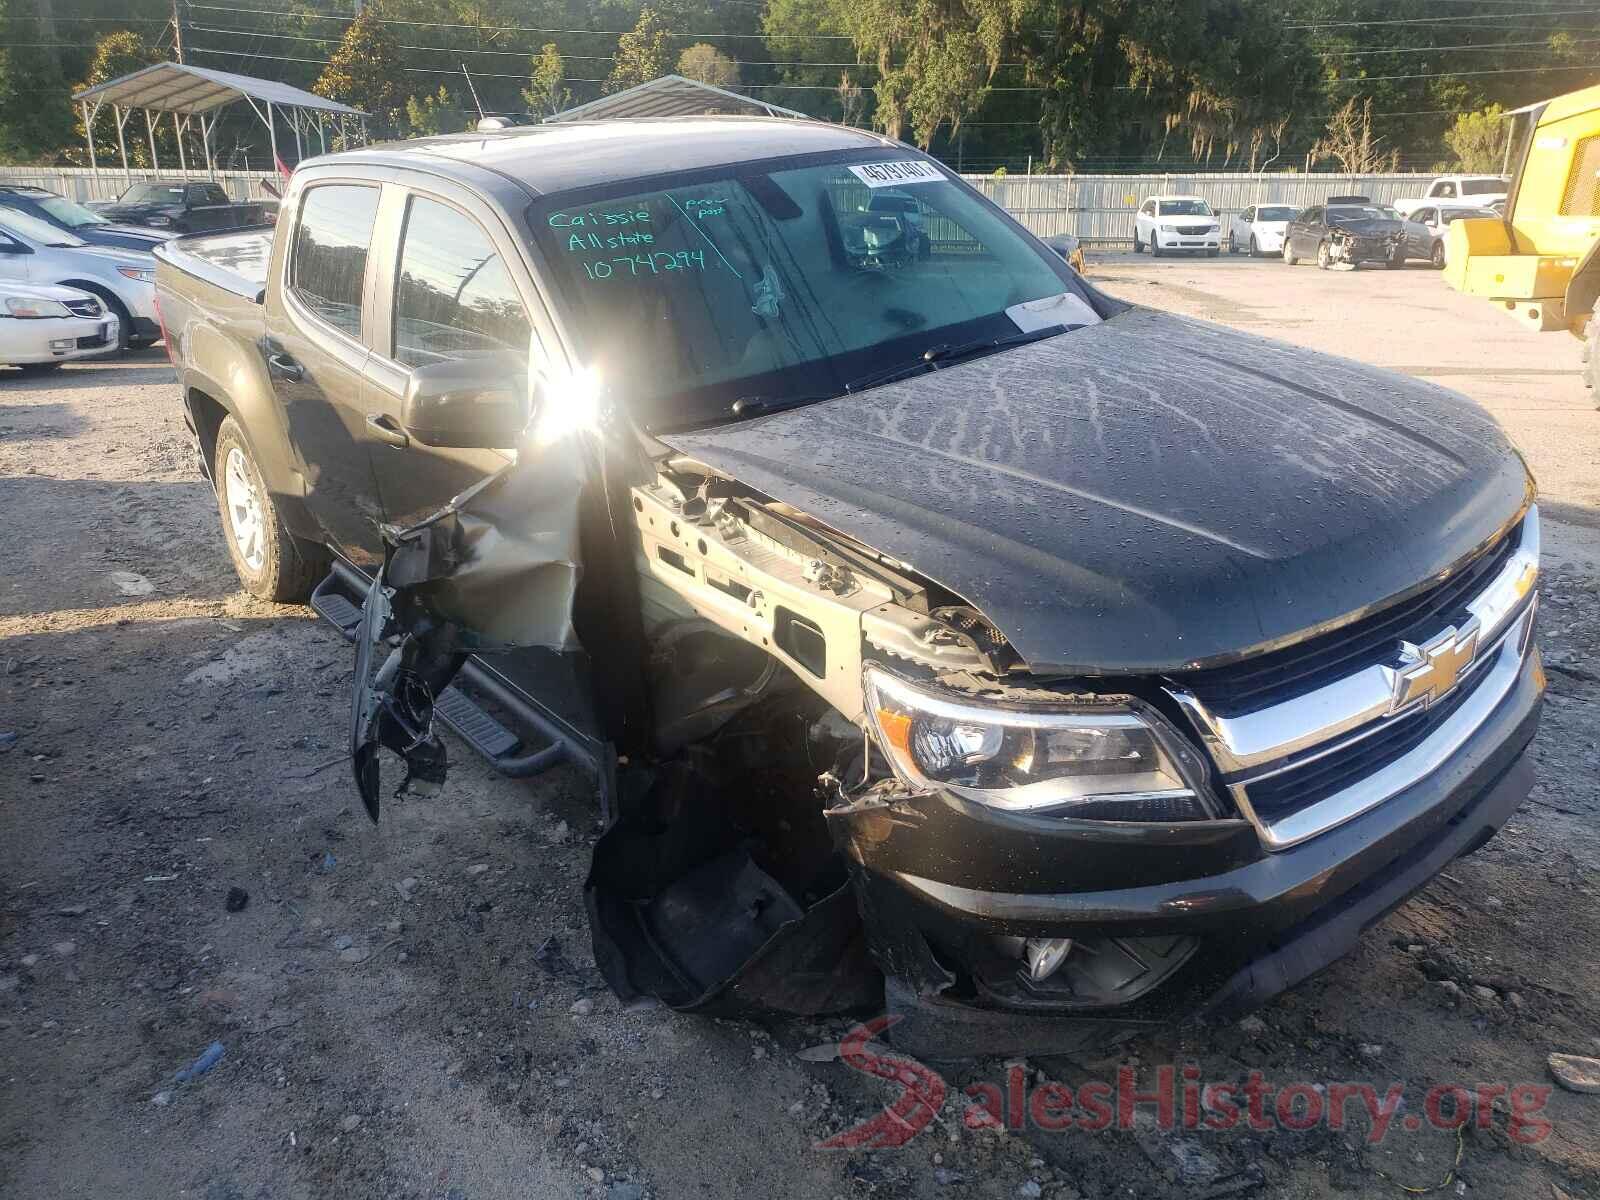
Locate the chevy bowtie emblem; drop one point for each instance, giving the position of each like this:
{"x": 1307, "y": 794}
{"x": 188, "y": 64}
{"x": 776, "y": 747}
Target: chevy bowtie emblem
{"x": 1432, "y": 670}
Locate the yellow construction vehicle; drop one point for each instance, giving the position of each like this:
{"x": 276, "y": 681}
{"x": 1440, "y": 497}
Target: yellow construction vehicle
{"x": 1541, "y": 262}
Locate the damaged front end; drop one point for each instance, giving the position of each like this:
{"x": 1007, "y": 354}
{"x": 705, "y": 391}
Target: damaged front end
{"x": 824, "y": 758}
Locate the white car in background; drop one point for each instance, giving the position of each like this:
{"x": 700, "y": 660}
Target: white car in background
{"x": 34, "y": 251}
{"x": 1478, "y": 191}
{"x": 1176, "y": 223}
{"x": 42, "y": 326}
{"x": 1259, "y": 229}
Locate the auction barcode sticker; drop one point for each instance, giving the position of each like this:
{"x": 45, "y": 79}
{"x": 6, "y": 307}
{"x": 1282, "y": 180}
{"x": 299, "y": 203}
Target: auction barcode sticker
{"x": 896, "y": 174}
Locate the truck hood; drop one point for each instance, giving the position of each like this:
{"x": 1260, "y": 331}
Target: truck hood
{"x": 1148, "y": 494}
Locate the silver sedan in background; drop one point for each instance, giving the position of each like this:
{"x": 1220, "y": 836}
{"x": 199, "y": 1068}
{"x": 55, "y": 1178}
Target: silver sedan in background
{"x": 1259, "y": 229}
{"x": 1426, "y": 226}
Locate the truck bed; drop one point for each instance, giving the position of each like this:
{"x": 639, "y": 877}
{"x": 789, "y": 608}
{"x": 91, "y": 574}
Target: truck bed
{"x": 235, "y": 261}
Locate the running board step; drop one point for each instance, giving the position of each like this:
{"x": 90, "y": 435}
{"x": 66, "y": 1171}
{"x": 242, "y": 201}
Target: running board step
{"x": 506, "y": 751}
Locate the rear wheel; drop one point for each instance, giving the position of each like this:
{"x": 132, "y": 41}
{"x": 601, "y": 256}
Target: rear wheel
{"x": 1288, "y": 252}
{"x": 270, "y": 561}
{"x": 1137, "y": 245}
{"x": 1437, "y": 257}
{"x": 1255, "y": 249}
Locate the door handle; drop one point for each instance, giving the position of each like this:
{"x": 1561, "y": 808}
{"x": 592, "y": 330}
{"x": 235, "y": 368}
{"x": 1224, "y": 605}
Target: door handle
{"x": 281, "y": 366}
{"x": 383, "y": 427}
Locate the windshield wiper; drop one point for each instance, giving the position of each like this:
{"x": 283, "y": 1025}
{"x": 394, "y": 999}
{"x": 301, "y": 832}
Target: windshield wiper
{"x": 931, "y": 358}
{"x": 760, "y": 406}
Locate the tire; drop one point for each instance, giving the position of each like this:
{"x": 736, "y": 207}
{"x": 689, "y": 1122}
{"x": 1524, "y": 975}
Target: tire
{"x": 1255, "y": 249}
{"x": 1233, "y": 245}
{"x": 271, "y": 562}
{"x": 1155, "y": 245}
{"x": 1137, "y": 248}
{"x": 1324, "y": 262}
{"x": 38, "y": 368}
{"x": 1437, "y": 257}
{"x": 1397, "y": 262}
{"x": 1288, "y": 252}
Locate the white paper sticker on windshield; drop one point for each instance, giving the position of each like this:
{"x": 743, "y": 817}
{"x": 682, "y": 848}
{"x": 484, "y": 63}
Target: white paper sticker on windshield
{"x": 896, "y": 174}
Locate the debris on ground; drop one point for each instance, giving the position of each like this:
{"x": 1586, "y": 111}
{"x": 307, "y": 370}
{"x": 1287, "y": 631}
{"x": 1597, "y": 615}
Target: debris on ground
{"x": 236, "y": 900}
{"x": 1576, "y": 1073}
{"x": 209, "y": 1058}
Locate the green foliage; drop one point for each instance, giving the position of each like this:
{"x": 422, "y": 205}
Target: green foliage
{"x": 366, "y": 70}
{"x": 35, "y": 118}
{"x": 707, "y": 64}
{"x": 1478, "y": 140}
{"x": 935, "y": 58}
{"x": 642, "y": 54}
{"x": 545, "y": 96}
{"x": 429, "y": 115}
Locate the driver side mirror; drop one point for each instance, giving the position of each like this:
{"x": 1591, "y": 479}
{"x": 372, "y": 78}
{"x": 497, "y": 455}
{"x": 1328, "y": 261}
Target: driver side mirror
{"x": 470, "y": 403}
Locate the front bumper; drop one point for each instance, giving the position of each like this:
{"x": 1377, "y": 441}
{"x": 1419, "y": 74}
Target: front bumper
{"x": 942, "y": 879}
{"x": 63, "y": 339}
{"x": 1187, "y": 241}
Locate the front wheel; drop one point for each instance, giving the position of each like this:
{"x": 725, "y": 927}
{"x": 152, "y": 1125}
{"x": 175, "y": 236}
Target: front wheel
{"x": 1233, "y": 244}
{"x": 1437, "y": 257}
{"x": 1255, "y": 248}
{"x": 1138, "y": 247}
{"x": 1155, "y": 245}
{"x": 1288, "y": 253}
{"x": 1398, "y": 261}
{"x": 270, "y": 561}
{"x": 1324, "y": 260}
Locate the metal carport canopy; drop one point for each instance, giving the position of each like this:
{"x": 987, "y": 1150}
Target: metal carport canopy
{"x": 194, "y": 92}
{"x": 671, "y": 96}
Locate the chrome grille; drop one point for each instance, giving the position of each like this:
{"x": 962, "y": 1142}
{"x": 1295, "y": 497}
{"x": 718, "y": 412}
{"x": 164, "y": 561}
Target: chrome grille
{"x": 87, "y": 307}
{"x": 1315, "y": 735}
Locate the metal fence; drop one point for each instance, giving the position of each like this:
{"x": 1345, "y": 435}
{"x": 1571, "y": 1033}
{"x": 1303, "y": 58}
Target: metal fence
{"x": 1100, "y": 208}
{"x": 1097, "y": 208}
{"x": 82, "y": 184}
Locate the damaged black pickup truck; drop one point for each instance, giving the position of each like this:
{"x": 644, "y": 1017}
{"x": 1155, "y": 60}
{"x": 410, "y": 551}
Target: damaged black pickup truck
{"x": 941, "y": 634}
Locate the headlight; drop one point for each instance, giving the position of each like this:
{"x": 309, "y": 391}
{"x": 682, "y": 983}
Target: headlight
{"x": 143, "y": 274}
{"x": 27, "y": 306}
{"x": 1111, "y": 761}
{"x": 1166, "y": 228}
{"x": 156, "y": 219}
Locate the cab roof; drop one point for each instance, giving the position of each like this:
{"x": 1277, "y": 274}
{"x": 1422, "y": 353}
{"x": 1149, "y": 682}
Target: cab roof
{"x": 559, "y": 157}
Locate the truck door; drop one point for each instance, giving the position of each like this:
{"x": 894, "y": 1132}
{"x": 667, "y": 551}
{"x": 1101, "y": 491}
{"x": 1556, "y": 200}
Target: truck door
{"x": 315, "y": 354}
{"x": 451, "y": 284}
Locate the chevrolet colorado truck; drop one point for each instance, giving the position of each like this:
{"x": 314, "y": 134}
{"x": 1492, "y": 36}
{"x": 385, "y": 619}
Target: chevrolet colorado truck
{"x": 941, "y": 634}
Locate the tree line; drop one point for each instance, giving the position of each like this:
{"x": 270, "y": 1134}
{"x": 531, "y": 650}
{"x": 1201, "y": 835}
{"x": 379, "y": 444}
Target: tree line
{"x": 1061, "y": 84}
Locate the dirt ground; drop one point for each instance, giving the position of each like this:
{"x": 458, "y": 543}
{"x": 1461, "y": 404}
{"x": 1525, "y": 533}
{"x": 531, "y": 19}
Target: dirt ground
{"x": 413, "y": 1010}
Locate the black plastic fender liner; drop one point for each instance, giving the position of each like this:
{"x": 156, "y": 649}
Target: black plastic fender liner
{"x": 680, "y": 909}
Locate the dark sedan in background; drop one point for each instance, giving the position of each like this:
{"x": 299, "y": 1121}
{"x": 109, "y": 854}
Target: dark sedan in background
{"x": 83, "y": 223}
{"x": 1346, "y": 230}
{"x": 185, "y": 207}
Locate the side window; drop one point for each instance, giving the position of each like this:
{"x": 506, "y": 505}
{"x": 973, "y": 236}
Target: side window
{"x": 454, "y": 297}
{"x": 328, "y": 263}
{"x": 1311, "y": 216}
{"x": 1446, "y": 191}
{"x": 1249, "y": 215}
{"x": 1423, "y": 216}
{"x": 1149, "y": 208}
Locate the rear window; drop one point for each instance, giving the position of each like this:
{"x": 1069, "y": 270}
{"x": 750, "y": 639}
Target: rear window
{"x": 1482, "y": 187}
{"x": 328, "y": 266}
{"x": 153, "y": 193}
{"x": 1275, "y": 212}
